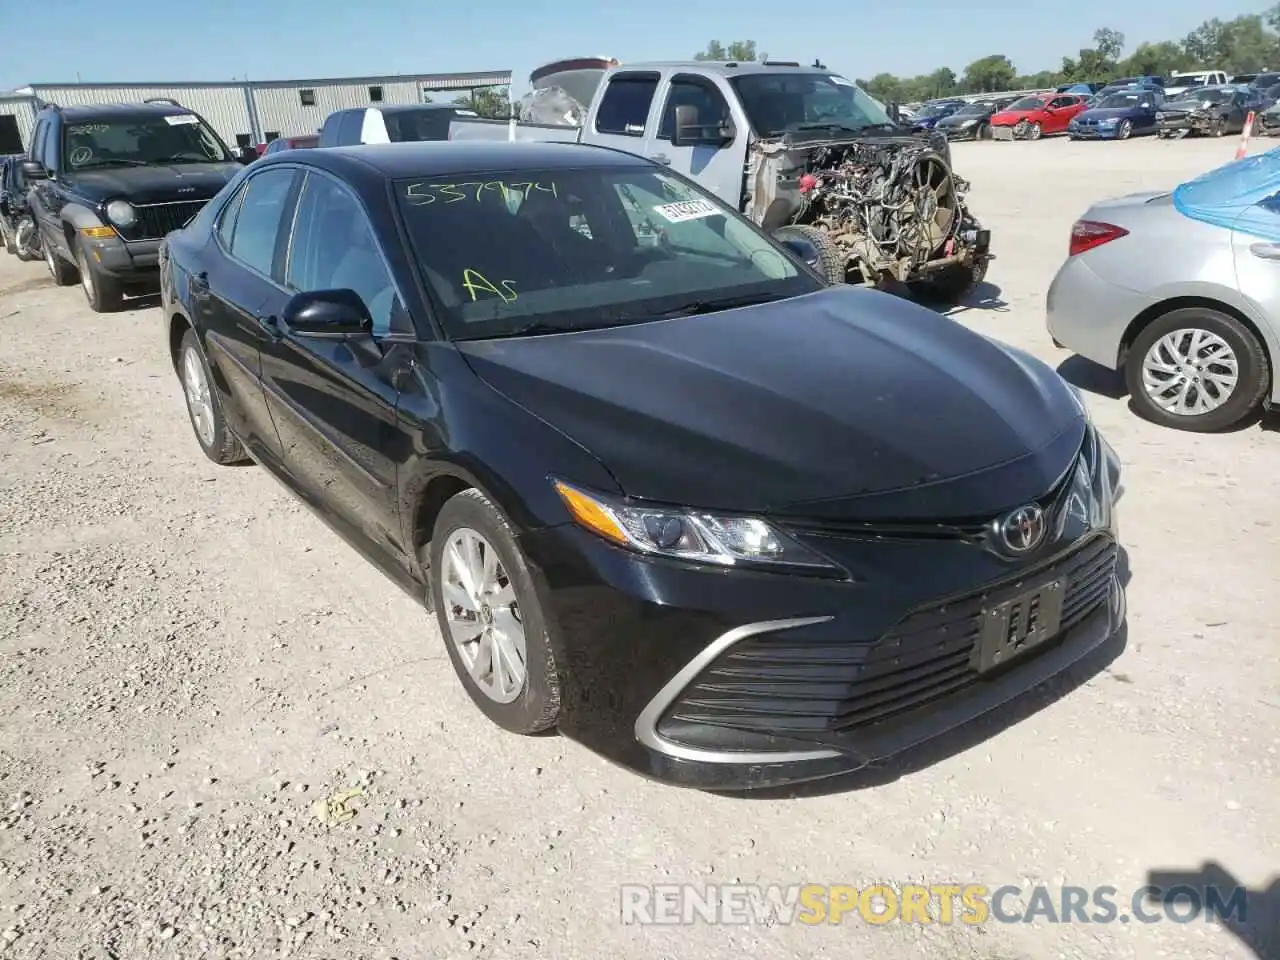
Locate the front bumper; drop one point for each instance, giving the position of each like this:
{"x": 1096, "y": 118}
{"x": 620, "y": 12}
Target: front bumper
{"x": 1093, "y": 132}
{"x": 960, "y": 133}
{"x": 734, "y": 680}
{"x": 131, "y": 261}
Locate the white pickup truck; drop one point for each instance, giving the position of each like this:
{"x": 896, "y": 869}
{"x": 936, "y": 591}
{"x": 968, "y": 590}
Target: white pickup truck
{"x": 1182, "y": 82}
{"x": 804, "y": 152}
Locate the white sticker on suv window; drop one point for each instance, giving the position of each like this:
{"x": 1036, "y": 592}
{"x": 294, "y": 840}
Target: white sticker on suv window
{"x": 686, "y": 210}
{"x": 173, "y": 121}
{"x": 841, "y": 81}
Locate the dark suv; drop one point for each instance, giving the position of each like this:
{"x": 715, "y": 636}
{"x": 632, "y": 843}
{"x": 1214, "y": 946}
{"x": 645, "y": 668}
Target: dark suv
{"x": 107, "y": 182}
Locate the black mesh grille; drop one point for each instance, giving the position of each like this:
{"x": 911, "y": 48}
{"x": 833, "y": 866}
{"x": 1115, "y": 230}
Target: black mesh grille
{"x": 156, "y": 220}
{"x": 778, "y": 684}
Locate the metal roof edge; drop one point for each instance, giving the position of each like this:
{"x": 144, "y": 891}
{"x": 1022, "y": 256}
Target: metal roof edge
{"x": 494, "y": 77}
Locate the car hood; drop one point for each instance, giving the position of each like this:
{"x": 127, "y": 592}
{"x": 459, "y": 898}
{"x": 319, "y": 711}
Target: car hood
{"x": 955, "y": 120}
{"x": 1188, "y": 105}
{"x": 1013, "y": 116}
{"x": 154, "y": 183}
{"x": 1110, "y": 113}
{"x": 846, "y": 403}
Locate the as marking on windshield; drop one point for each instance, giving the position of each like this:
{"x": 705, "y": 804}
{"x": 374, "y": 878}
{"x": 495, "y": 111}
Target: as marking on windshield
{"x": 424, "y": 194}
{"x": 474, "y": 281}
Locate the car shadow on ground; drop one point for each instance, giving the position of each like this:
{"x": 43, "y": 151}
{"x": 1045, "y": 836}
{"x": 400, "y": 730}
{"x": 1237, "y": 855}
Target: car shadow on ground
{"x": 1098, "y": 661}
{"x": 144, "y": 302}
{"x": 1212, "y": 893}
{"x": 984, "y": 296}
{"x": 1097, "y": 379}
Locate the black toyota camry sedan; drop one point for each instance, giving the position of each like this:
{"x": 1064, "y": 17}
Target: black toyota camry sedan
{"x": 663, "y": 488}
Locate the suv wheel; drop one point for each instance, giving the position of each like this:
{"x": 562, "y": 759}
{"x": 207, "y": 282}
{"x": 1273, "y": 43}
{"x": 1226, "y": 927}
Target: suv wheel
{"x": 62, "y": 272}
{"x": 490, "y": 615}
{"x": 102, "y": 291}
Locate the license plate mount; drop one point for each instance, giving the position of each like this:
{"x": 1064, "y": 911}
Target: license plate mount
{"x": 1015, "y": 627}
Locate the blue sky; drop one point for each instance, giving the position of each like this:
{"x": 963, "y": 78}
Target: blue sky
{"x": 281, "y": 39}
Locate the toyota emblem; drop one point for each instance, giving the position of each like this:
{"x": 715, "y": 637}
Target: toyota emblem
{"x": 1022, "y": 530}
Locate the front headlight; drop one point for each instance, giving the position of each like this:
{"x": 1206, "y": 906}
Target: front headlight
{"x": 684, "y": 534}
{"x": 121, "y": 213}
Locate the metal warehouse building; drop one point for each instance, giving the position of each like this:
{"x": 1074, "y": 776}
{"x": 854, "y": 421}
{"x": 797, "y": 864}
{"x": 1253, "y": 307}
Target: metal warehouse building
{"x": 246, "y": 113}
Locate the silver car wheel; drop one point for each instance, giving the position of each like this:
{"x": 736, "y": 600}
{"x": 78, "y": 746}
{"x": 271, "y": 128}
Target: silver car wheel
{"x": 196, "y": 386}
{"x": 1190, "y": 372}
{"x": 483, "y": 616}
{"x": 48, "y": 259}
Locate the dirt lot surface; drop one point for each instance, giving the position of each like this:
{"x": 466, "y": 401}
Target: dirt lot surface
{"x": 189, "y": 661}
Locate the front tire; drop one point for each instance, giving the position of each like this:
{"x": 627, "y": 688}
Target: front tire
{"x": 1218, "y": 128}
{"x": 1197, "y": 369}
{"x": 1035, "y": 131}
{"x": 1125, "y": 130}
{"x": 829, "y": 262}
{"x": 490, "y": 616}
{"x": 103, "y": 291}
{"x": 64, "y": 275}
{"x": 10, "y": 239}
{"x": 984, "y": 132}
{"x": 204, "y": 406}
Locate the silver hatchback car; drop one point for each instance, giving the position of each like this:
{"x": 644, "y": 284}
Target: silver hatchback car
{"x": 1188, "y": 310}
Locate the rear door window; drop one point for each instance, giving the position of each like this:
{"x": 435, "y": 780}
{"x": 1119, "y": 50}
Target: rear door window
{"x": 257, "y": 224}
{"x": 624, "y": 108}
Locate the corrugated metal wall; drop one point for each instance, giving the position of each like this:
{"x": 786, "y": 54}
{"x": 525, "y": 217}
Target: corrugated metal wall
{"x": 223, "y": 106}
{"x": 245, "y": 112}
{"x": 24, "y": 109}
{"x": 280, "y": 108}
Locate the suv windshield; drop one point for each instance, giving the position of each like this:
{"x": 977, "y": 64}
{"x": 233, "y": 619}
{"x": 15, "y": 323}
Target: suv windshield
{"x": 972, "y": 110}
{"x": 141, "y": 140}
{"x": 777, "y": 103}
{"x": 556, "y": 250}
{"x": 1124, "y": 100}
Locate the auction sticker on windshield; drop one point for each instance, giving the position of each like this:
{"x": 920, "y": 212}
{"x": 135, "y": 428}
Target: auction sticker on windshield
{"x": 841, "y": 81}
{"x": 181, "y": 118}
{"x": 686, "y": 210}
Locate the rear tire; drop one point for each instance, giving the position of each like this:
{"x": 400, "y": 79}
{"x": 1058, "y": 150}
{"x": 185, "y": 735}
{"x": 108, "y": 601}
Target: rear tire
{"x": 204, "y": 407}
{"x": 1239, "y": 345}
{"x": 506, "y": 595}
{"x": 952, "y": 284}
{"x": 830, "y": 261}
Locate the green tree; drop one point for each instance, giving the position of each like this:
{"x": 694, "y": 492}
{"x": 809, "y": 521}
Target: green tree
{"x": 989, "y": 74}
{"x": 1109, "y": 44}
{"x": 491, "y": 102}
{"x": 739, "y": 51}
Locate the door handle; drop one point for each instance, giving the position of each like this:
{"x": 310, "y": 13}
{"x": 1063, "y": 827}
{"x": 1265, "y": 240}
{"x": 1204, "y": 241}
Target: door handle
{"x": 660, "y": 158}
{"x": 1265, "y": 251}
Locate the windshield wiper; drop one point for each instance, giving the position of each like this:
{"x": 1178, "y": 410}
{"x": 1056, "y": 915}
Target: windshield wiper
{"x": 696, "y": 307}
{"x": 179, "y": 159}
{"x": 109, "y": 161}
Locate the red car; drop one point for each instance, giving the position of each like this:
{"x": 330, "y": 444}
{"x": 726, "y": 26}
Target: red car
{"x": 1032, "y": 117}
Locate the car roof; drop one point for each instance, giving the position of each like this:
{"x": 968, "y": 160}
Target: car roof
{"x": 94, "y": 110}
{"x": 435, "y": 157}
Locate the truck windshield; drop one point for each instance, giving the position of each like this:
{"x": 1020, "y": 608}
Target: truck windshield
{"x": 141, "y": 140}
{"x": 777, "y": 103}
{"x": 547, "y": 251}
{"x": 426, "y": 123}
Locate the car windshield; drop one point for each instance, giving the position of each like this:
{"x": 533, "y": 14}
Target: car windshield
{"x": 1180, "y": 79}
{"x": 545, "y": 251}
{"x": 141, "y": 140}
{"x": 1027, "y": 103}
{"x": 1123, "y": 100}
{"x": 1214, "y": 96}
{"x": 973, "y": 110}
{"x": 782, "y": 102}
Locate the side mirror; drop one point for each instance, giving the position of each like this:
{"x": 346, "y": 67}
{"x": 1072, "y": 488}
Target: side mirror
{"x": 689, "y": 133}
{"x": 34, "y": 170}
{"x": 327, "y": 315}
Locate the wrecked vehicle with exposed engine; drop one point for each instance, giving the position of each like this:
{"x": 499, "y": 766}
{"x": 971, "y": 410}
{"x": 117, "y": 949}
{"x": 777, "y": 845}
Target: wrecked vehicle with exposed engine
{"x": 802, "y": 151}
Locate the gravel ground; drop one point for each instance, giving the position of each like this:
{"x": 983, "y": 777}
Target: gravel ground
{"x": 194, "y": 673}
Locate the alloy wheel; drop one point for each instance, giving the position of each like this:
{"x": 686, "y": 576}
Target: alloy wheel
{"x": 200, "y": 404}
{"x": 483, "y": 616}
{"x": 1035, "y": 131}
{"x": 1190, "y": 372}
{"x": 1126, "y": 128}
{"x": 49, "y": 261}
